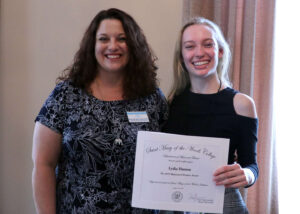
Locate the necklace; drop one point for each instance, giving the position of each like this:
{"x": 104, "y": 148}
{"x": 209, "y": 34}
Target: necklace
{"x": 118, "y": 141}
{"x": 115, "y": 121}
{"x": 119, "y": 127}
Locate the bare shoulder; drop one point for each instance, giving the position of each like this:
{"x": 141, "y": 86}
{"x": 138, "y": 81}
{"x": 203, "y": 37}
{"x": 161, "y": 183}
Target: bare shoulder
{"x": 244, "y": 105}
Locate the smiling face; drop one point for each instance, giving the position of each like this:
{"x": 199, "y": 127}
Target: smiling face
{"x": 200, "y": 51}
{"x": 111, "y": 50}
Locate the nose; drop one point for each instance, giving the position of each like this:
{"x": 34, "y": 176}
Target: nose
{"x": 113, "y": 45}
{"x": 199, "y": 51}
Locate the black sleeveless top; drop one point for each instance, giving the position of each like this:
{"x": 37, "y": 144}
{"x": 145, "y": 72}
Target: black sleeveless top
{"x": 213, "y": 115}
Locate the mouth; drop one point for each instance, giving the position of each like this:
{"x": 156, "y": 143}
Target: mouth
{"x": 113, "y": 56}
{"x": 199, "y": 63}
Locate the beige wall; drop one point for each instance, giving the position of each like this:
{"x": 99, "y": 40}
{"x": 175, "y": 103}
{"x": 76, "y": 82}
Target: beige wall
{"x": 38, "y": 39}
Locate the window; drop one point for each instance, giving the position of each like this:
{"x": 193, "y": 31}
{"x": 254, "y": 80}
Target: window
{"x": 287, "y": 103}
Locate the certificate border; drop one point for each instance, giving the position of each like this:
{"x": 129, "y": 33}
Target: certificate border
{"x": 138, "y": 174}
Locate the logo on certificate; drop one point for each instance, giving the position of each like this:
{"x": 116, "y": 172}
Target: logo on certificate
{"x": 177, "y": 196}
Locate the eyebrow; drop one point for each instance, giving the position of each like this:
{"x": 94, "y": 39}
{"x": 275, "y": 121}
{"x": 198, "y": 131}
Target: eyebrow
{"x": 104, "y": 34}
{"x": 205, "y": 40}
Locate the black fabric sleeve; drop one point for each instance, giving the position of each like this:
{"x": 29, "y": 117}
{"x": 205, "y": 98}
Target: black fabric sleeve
{"x": 246, "y": 148}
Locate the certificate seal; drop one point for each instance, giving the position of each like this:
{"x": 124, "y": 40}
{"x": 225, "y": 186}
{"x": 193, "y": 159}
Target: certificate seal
{"x": 177, "y": 196}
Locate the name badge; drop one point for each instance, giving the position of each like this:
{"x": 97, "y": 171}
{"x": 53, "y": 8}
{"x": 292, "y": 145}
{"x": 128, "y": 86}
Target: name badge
{"x": 137, "y": 116}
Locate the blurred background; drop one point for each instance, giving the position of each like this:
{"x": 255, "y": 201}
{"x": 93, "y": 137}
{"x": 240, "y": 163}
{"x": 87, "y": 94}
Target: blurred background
{"x": 38, "y": 39}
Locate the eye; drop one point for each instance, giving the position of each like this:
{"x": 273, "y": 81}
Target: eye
{"x": 209, "y": 44}
{"x": 122, "y": 39}
{"x": 189, "y": 47}
{"x": 103, "y": 39}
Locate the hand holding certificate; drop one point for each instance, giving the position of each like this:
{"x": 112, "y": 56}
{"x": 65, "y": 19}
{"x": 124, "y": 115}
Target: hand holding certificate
{"x": 175, "y": 172}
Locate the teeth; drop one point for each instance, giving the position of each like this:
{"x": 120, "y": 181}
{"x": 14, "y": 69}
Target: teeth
{"x": 200, "y": 63}
{"x": 113, "y": 56}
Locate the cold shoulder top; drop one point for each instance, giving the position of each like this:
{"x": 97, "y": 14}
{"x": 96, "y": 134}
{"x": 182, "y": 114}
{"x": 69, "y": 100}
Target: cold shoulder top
{"x": 213, "y": 115}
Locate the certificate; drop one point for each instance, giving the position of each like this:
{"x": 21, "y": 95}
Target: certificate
{"x": 175, "y": 172}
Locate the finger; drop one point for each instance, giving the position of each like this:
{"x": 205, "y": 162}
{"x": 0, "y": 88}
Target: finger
{"x": 228, "y": 174}
{"x": 226, "y": 168}
{"x": 235, "y": 181}
{"x": 236, "y": 185}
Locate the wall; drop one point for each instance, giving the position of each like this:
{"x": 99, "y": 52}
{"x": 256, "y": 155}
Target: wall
{"x": 37, "y": 41}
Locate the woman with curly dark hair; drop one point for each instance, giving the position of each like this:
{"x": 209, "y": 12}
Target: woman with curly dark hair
{"x": 85, "y": 134}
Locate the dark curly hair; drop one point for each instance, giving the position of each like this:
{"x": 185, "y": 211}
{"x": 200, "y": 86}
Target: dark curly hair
{"x": 140, "y": 72}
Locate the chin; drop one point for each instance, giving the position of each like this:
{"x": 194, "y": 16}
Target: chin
{"x": 201, "y": 72}
{"x": 114, "y": 69}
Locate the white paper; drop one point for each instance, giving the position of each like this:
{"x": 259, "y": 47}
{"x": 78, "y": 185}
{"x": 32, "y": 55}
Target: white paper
{"x": 175, "y": 172}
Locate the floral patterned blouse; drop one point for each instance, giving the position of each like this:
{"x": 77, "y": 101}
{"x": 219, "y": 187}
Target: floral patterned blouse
{"x": 95, "y": 172}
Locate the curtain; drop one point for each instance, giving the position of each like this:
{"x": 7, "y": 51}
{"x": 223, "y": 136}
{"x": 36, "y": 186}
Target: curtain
{"x": 248, "y": 26}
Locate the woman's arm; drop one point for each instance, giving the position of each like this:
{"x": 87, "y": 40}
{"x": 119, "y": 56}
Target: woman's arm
{"x": 45, "y": 153}
{"x": 234, "y": 175}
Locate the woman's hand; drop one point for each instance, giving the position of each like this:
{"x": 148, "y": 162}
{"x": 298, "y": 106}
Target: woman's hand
{"x": 233, "y": 176}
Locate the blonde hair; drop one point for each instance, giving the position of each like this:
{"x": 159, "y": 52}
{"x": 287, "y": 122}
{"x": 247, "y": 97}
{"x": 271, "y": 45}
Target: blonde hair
{"x": 181, "y": 77}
